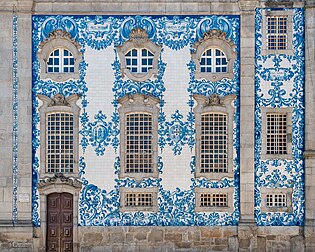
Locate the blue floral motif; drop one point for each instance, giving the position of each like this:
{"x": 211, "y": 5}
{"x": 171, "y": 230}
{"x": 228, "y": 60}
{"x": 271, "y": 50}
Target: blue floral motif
{"x": 131, "y": 23}
{"x": 215, "y": 22}
{"x": 98, "y": 32}
{"x": 53, "y": 23}
{"x": 176, "y": 33}
{"x": 281, "y": 173}
{"x": 99, "y": 133}
{"x": 177, "y": 133}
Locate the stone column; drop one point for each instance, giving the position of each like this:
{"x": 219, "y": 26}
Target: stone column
{"x": 309, "y": 154}
{"x": 247, "y": 228}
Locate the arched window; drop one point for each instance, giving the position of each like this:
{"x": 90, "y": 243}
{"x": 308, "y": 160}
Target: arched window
{"x": 214, "y": 56}
{"x": 60, "y": 60}
{"x": 59, "y": 57}
{"x": 139, "y": 56}
{"x": 139, "y": 60}
{"x": 213, "y": 60}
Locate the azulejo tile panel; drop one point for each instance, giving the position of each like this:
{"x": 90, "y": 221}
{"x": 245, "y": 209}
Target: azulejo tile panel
{"x": 279, "y": 83}
{"x": 100, "y": 131}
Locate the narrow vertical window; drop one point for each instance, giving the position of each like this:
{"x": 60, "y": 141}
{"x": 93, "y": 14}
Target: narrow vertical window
{"x": 214, "y": 141}
{"x": 60, "y": 61}
{"x": 59, "y": 142}
{"x": 138, "y": 141}
{"x": 276, "y": 133}
{"x": 277, "y": 30}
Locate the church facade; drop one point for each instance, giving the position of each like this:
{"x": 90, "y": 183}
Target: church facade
{"x": 157, "y": 126}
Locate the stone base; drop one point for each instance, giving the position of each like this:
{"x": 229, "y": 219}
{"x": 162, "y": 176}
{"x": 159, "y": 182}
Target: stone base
{"x": 241, "y": 238}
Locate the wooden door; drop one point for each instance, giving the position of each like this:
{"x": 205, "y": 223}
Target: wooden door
{"x": 59, "y": 222}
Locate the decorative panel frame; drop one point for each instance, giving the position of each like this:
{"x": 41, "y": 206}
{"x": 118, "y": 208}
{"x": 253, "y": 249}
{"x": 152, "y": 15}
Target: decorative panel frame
{"x": 279, "y": 84}
{"x": 107, "y": 32}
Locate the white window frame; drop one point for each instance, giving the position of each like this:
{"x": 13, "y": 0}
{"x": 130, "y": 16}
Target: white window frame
{"x": 138, "y": 40}
{"x": 214, "y": 104}
{"x": 139, "y": 57}
{"x": 58, "y": 104}
{"x": 214, "y": 39}
{"x": 213, "y": 59}
{"x": 276, "y": 191}
{"x": 229, "y": 191}
{"x": 138, "y": 103}
{"x": 59, "y": 39}
{"x": 61, "y": 66}
{"x": 264, "y": 112}
{"x": 289, "y": 13}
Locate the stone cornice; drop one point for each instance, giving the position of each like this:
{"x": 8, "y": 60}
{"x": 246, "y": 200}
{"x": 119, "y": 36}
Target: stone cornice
{"x": 309, "y": 154}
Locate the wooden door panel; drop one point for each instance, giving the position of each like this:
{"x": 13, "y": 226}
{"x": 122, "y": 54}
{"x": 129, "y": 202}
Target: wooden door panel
{"x": 60, "y": 222}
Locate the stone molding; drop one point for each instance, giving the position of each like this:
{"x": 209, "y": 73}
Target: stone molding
{"x": 59, "y": 103}
{"x": 214, "y": 39}
{"x": 138, "y": 40}
{"x": 214, "y": 103}
{"x": 133, "y": 104}
{"x": 59, "y": 179}
{"x": 59, "y": 39}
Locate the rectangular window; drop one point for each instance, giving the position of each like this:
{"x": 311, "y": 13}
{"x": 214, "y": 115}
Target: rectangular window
{"x": 277, "y": 32}
{"x": 276, "y": 200}
{"x": 59, "y": 142}
{"x": 138, "y": 199}
{"x": 138, "y": 141}
{"x": 213, "y": 200}
{"x": 276, "y": 133}
{"x": 214, "y": 141}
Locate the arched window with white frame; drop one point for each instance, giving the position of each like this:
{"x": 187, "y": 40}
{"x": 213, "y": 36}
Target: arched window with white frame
{"x": 213, "y": 60}
{"x": 139, "y": 60}
{"x": 214, "y": 56}
{"x": 60, "y": 60}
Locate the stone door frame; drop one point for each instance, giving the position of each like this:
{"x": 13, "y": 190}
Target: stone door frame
{"x": 58, "y": 184}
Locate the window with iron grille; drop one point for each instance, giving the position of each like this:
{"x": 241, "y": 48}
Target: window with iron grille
{"x": 139, "y": 60}
{"x": 60, "y": 61}
{"x": 276, "y": 133}
{"x": 277, "y": 32}
{"x": 213, "y": 60}
{"x": 138, "y": 200}
{"x": 214, "y": 142}
{"x": 213, "y": 200}
{"x": 138, "y": 143}
{"x": 276, "y": 200}
{"x": 59, "y": 142}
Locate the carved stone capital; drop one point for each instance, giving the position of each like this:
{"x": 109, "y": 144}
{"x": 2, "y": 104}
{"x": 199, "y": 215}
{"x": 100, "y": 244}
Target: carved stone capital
{"x": 59, "y": 179}
{"x": 59, "y": 34}
{"x": 139, "y": 36}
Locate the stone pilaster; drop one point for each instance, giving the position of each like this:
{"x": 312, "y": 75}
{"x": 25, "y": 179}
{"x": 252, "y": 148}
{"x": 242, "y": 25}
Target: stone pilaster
{"x": 309, "y": 154}
{"x": 247, "y": 230}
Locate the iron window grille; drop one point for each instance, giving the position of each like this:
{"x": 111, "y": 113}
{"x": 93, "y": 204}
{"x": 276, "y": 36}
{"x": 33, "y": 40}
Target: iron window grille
{"x": 276, "y": 200}
{"x": 59, "y": 142}
{"x": 138, "y": 200}
{"x": 276, "y": 133}
{"x": 277, "y": 32}
{"x": 213, "y": 200}
{"x": 214, "y": 143}
{"x": 139, "y": 145}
